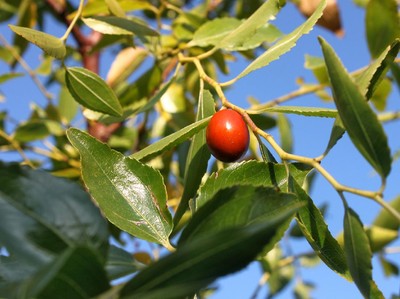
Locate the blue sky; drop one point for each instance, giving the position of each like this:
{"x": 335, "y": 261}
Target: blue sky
{"x": 310, "y": 139}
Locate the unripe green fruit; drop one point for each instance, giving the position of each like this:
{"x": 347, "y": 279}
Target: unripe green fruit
{"x": 227, "y": 135}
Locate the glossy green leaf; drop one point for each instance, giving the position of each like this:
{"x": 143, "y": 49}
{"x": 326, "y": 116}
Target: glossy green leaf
{"x": 76, "y": 273}
{"x": 120, "y": 263}
{"x": 118, "y": 26}
{"x": 358, "y": 118}
{"x": 312, "y": 224}
{"x": 130, "y": 194}
{"x": 91, "y": 91}
{"x": 237, "y": 207}
{"x": 385, "y": 219}
{"x": 251, "y": 173}
{"x": 50, "y": 44}
{"x": 196, "y": 264}
{"x": 305, "y": 111}
{"x": 249, "y": 27}
{"x": 358, "y": 253}
{"x": 285, "y": 44}
{"x": 170, "y": 141}
{"x": 382, "y": 25}
{"x": 198, "y": 155}
{"x": 47, "y": 215}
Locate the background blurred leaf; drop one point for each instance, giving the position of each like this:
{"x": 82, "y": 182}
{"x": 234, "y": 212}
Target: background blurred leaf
{"x": 49, "y": 44}
{"x": 47, "y": 215}
{"x": 382, "y": 25}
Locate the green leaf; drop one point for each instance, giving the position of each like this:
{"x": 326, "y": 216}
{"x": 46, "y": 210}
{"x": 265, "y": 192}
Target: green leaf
{"x": 237, "y": 207}
{"x": 67, "y": 106}
{"x": 170, "y": 141}
{"x": 379, "y": 237}
{"x": 382, "y": 25}
{"x": 120, "y": 263}
{"x": 196, "y": 264}
{"x": 312, "y": 224}
{"x": 9, "y": 76}
{"x": 360, "y": 121}
{"x": 47, "y": 215}
{"x": 285, "y": 133}
{"x": 251, "y": 173}
{"x": 358, "y": 253}
{"x": 150, "y": 104}
{"x": 91, "y": 91}
{"x": 198, "y": 155}
{"x": 50, "y": 44}
{"x": 115, "y": 8}
{"x": 285, "y": 44}
{"x": 118, "y": 26}
{"x": 305, "y": 111}
{"x": 381, "y": 94}
{"x": 99, "y": 7}
{"x": 367, "y": 83}
{"x": 385, "y": 219}
{"x": 318, "y": 67}
{"x": 249, "y": 27}
{"x": 369, "y": 80}
{"x": 130, "y": 194}
{"x": 212, "y": 32}
{"x": 31, "y": 131}
{"x": 77, "y": 273}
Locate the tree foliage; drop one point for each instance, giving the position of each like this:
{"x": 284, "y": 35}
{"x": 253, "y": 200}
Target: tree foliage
{"x": 124, "y": 158}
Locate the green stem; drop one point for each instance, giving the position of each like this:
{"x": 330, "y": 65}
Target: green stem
{"x": 77, "y": 16}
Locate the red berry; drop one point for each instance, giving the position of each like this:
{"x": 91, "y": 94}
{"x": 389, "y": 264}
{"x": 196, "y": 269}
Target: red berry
{"x": 227, "y": 135}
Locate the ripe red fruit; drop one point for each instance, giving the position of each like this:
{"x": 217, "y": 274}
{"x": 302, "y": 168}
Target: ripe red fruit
{"x": 227, "y": 135}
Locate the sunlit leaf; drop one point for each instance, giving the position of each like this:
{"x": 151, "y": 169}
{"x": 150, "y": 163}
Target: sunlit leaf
{"x": 118, "y": 26}
{"x": 258, "y": 19}
{"x": 360, "y": 121}
{"x": 91, "y": 91}
{"x": 385, "y": 219}
{"x": 285, "y": 44}
{"x": 130, "y": 194}
{"x": 170, "y": 141}
{"x": 48, "y": 43}
{"x": 305, "y": 111}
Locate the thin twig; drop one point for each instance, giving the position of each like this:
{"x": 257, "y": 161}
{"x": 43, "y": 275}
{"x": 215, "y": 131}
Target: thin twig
{"x": 27, "y": 68}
